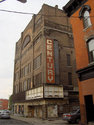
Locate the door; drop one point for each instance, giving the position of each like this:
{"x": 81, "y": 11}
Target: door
{"x": 89, "y": 108}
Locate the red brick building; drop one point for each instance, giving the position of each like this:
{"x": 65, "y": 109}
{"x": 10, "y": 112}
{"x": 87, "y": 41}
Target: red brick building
{"x": 3, "y": 104}
{"x": 81, "y": 13}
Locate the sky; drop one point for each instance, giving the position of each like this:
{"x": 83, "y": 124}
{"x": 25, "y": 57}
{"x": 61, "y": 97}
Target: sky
{"x": 11, "y": 26}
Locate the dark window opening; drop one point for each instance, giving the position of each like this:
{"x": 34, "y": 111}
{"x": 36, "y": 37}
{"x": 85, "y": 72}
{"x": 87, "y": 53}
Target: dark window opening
{"x": 70, "y": 78}
{"x": 68, "y": 60}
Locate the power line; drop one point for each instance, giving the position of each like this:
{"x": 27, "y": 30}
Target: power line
{"x": 26, "y": 13}
{"x": 18, "y": 12}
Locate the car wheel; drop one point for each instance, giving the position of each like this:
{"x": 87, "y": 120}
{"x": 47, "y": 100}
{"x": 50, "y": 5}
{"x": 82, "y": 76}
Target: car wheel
{"x": 70, "y": 122}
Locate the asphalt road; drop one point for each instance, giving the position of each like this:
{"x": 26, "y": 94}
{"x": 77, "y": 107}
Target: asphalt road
{"x": 19, "y": 122}
{"x": 12, "y": 122}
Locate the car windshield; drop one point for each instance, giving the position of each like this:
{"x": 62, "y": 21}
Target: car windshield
{"x": 76, "y": 111}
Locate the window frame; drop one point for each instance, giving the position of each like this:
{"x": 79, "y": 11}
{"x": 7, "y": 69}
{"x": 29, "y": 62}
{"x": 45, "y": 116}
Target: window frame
{"x": 68, "y": 59}
{"x": 84, "y": 9}
{"x": 37, "y": 62}
{"x": 91, "y": 58}
{"x": 27, "y": 40}
{"x": 86, "y": 19}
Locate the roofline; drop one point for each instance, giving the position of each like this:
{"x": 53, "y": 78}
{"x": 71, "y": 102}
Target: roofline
{"x": 75, "y": 6}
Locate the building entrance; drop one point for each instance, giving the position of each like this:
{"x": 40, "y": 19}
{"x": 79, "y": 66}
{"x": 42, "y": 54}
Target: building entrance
{"x": 30, "y": 111}
{"x": 89, "y": 108}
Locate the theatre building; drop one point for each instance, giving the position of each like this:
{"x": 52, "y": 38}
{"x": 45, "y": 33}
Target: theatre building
{"x": 45, "y": 83}
{"x": 81, "y": 13}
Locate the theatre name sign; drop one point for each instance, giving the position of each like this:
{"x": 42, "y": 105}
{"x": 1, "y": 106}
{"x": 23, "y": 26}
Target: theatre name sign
{"x": 50, "y": 70}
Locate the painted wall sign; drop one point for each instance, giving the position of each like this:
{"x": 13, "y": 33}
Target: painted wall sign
{"x": 50, "y": 72}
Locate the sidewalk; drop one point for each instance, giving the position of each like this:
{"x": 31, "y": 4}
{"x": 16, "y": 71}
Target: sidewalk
{"x": 37, "y": 121}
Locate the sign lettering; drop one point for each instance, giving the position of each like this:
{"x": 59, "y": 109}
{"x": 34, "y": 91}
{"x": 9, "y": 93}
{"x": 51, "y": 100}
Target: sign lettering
{"x": 50, "y": 73}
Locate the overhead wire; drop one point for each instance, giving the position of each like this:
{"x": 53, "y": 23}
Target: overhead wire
{"x": 27, "y": 13}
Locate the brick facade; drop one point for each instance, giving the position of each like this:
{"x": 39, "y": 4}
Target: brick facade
{"x": 3, "y": 104}
{"x": 83, "y": 31}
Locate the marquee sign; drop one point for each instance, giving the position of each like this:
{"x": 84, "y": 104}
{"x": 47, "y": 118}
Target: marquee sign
{"x": 50, "y": 72}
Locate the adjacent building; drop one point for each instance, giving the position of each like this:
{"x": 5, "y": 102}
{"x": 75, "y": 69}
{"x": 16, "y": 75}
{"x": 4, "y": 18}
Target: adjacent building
{"x": 81, "y": 13}
{"x": 3, "y": 104}
{"x": 45, "y": 83}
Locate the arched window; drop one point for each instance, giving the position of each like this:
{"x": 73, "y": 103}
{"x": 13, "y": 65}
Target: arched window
{"x": 26, "y": 41}
{"x": 86, "y": 19}
{"x": 84, "y": 15}
{"x": 90, "y": 44}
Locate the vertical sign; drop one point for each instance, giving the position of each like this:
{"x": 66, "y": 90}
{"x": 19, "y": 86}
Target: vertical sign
{"x": 50, "y": 73}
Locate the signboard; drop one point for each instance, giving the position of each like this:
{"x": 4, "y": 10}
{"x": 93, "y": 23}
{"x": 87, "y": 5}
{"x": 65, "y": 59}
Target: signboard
{"x": 53, "y": 91}
{"x": 34, "y": 93}
{"x": 49, "y": 91}
{"x": 50, "y": 73}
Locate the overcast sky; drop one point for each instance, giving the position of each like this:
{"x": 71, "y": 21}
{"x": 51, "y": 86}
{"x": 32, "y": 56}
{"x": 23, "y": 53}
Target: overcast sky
{"x": 11, "y": 26}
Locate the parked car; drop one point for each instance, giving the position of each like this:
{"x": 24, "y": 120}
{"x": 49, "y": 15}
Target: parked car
{"x": 72, "y": 117}
{"x": 4, "y": 114}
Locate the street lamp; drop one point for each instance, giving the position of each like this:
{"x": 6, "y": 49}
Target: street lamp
{"x": 23, "y": 1}
{"x": 1, "y": 1}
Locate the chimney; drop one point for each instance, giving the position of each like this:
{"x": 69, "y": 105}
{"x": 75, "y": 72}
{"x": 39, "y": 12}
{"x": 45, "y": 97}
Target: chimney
{"x": 56, "y": 6}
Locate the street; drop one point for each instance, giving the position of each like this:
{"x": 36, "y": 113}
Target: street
{"x": 20, "y": 122}
{"x": 12, "y": 122}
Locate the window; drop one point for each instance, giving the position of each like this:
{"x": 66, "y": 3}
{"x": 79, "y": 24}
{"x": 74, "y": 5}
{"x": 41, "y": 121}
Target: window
{"x": 70, "y": 78}
{"x": 86, "y": 19}
{"x": 28, "y": 83}
{"x": 68, "y": 60}
{"x": 26, "y": 41}
{"x": 38, "y": 22}
{"x": 25, "y": 85}
{"x": 84, "y": 14}
{"x": 37, "y": 61}
{"x": 90, "y": 44}
{"x": 29, "y": 67}
{"x": 38, "y": 79}
{"x": 25, "y": 70}
{"x": 20, "y": 87}
{"x": 17, "y": 74}
{"x": 37, "y": 40}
